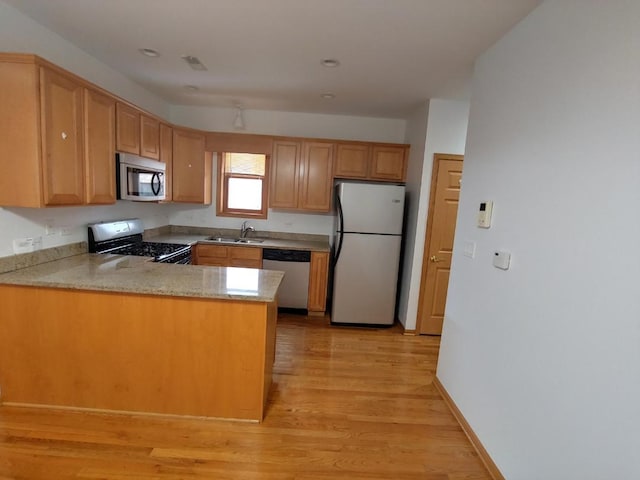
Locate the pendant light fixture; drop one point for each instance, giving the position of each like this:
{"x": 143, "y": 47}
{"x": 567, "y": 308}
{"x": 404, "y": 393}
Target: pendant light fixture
{"x": 238, "y": 122}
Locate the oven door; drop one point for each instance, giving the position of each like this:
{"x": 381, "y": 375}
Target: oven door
{"x": 140, "y": 179}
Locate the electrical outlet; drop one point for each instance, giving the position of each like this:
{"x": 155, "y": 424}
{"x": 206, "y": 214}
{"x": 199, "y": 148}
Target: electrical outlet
{"x": 49, "y": 228}
{"x": 27, "y": 245}
{"x": 66, "y": 230}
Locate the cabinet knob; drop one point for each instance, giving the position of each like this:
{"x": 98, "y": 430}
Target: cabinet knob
{"x": 64, "y": 135}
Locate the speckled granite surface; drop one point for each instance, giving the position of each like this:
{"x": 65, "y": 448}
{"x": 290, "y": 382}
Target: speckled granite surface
{"x": 131, "y": 274}
{"x": 15, "y": 262}
{"x": 316, "y": 243}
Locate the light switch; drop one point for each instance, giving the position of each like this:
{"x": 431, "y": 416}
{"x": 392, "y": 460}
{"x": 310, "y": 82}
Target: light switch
{"x": 502, "y": 260}
{"x": 469, "y": 249}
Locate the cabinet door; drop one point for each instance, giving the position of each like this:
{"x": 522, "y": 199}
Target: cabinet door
{"x": 99, "y": 143}
{"x": 316, "y": 176}
{"x": 248, "y": 257}
{"x": 352, "y": 161}
{"x": 388, "y": 163}
{"x": 62, "y": 142}
{"x": 149, "y": 137}
{"x": 318, "y": 275}
{"x": 212, "y": 255}
{"x": 191, "y": 170}
{"x": 284, "y": 174}
{"x": 166, "y": 156}
{"x": 127, "y": 129}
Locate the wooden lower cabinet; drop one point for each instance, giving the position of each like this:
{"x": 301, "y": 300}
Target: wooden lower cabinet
{"x": 136, "y": 353}
{"x": 227, "y": 256}
{"x": 318, "y": 279}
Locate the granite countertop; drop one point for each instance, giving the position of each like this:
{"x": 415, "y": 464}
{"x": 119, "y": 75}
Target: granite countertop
{"x": 289, "y": 244}
{"x": 139, "y": 275}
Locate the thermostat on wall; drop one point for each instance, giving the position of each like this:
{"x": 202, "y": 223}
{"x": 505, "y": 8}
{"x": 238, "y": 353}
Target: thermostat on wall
{"x": 484, "y": 214}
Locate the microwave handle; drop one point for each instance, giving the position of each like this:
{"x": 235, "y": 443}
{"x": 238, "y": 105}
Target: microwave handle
{"x": 155, "y": 182}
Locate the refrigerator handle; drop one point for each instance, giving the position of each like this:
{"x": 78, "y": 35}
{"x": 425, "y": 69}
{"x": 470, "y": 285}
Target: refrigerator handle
{"x": 339, "y": 230}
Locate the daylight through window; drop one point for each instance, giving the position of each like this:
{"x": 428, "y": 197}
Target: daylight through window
{"x": 242, "y": 187}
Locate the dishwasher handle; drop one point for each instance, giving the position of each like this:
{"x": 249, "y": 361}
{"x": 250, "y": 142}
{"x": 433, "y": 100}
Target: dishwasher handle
{"x": 280, "y": 255}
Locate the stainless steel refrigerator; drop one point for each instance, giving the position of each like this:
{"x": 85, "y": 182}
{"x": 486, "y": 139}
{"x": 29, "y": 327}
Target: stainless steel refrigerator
{"x": 367, "y": 252}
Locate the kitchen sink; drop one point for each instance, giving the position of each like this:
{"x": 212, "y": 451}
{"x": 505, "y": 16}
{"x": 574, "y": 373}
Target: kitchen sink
{"x": 233, "y": 240}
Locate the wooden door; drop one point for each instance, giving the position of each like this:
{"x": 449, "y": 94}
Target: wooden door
{"x": 191, "y": 170}
{"x": 62, "y": 142}
{"x": 127, "y": 129}
{"x": 441, "y": 226}
{"x": 316, "y": 176}
{"x": 149, "y": 137}
{"x": 100, "y": 143}
{"x": 284, "y": 174}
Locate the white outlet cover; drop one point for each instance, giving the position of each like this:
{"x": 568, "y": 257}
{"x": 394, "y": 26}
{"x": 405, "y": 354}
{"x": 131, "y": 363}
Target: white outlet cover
{"x": 469, "y": 248}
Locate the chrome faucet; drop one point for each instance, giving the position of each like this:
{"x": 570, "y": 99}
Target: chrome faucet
{"x": 246, "y": 229}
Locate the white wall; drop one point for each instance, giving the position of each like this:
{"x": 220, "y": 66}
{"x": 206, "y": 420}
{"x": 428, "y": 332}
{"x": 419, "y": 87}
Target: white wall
{"x": 18, "y": 33}
{"x": 315, "y": 125}
{"x": 445, "y": 122}
{"x": 543, "y": 359}
{"x": 21, "y": 34}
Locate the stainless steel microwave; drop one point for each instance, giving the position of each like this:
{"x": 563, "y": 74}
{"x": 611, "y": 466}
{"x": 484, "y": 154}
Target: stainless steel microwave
{"x": 140, "y": 179}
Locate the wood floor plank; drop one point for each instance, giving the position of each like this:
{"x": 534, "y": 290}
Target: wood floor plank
{"x": 346, "y": 403}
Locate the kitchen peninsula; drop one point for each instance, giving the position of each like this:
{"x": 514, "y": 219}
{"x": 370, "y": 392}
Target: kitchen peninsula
{"x": 120, "y": 333}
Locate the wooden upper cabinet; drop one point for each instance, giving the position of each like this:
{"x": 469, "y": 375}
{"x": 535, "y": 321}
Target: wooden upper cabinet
{"x": 166, "y": 156}
{"x": 62, "y": 139}
{"x": 99, "y": 147}
{"x": 191, "y": 168}
{"x": 316, "y": 176}
{"x": 388, "y": 163}
{"x": 352, "y": 160}
{"x": 301, "y": 175}
{"x": 149, "y": 137}
{"x": 285, "y": 164}
{"x": 371, "y": 162}
{"x": 127, "y": 129}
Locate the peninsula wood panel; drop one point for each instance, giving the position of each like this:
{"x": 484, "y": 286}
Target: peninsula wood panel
{"x": 158, "y": 354}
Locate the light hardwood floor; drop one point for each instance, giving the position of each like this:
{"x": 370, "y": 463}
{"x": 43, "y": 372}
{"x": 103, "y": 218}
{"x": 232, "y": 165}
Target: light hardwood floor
{"x": 346, "y": 403}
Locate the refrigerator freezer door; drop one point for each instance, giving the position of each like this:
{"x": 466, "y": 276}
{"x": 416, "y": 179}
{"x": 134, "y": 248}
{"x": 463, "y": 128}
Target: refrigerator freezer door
{"x": 365, "y": 278}
{"x": 372, "y": 208}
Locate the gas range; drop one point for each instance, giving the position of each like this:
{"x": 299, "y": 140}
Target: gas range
{"x": 124, "y": 237}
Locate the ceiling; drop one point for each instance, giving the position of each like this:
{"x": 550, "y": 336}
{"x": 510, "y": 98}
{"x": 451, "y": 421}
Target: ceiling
{"x": 267, "y": 54}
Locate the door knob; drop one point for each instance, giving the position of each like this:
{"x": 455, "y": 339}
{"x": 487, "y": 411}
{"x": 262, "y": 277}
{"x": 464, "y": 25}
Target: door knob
{"x": 434, "y": 259}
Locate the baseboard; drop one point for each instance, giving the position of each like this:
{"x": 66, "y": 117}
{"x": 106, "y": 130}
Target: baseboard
{"x": 471, "y": 435}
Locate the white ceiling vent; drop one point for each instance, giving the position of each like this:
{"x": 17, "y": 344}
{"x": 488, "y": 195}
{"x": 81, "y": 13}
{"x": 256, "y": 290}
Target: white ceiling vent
{"x": 194, "y": 62}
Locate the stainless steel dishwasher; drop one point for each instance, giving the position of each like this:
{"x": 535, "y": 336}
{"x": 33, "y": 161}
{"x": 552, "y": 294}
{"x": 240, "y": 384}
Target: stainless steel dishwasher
{"x": 294, "y": 289}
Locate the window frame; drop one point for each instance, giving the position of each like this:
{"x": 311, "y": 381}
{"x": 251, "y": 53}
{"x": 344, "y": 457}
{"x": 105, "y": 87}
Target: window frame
{"x": 222, "y": 207}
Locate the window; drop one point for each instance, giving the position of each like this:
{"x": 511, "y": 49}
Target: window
{"x": 242, "y": 185}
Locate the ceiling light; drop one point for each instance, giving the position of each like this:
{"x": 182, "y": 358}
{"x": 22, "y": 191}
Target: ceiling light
{"x": 330, "y": 62}
{"x": 191, "y": 88}
{"x": 328, "y": 96}
{"x": 238, "y": 122}
{"x": 194, "y": 62}
{"x": 149, "y": 52}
